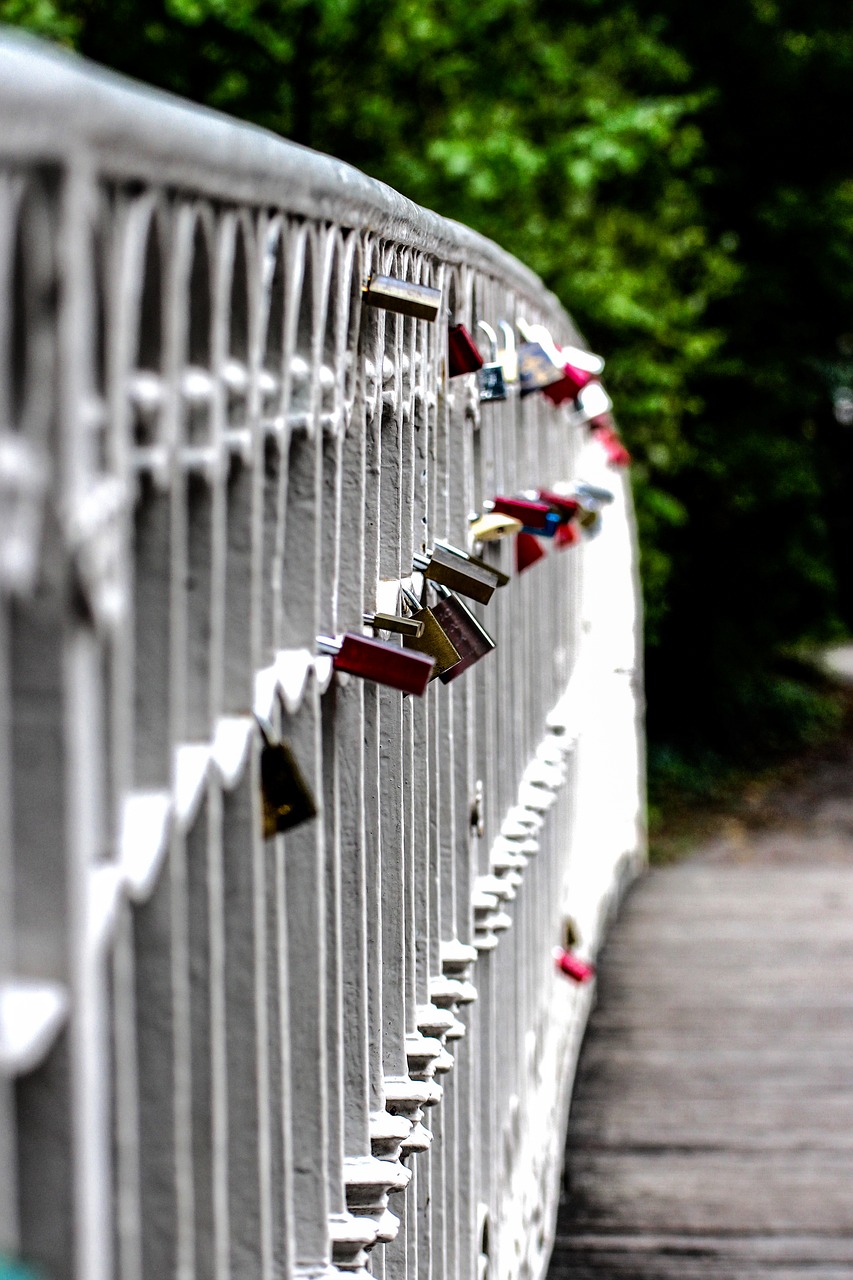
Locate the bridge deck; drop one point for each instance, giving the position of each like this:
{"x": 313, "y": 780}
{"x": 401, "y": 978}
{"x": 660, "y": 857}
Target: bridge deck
{"x": 712, "y": 1127}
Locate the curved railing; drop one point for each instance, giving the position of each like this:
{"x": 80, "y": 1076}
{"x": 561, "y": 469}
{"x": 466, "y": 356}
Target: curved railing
{"x": 222, "y": 1052}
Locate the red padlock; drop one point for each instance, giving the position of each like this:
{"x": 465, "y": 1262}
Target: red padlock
{"x": 568, "y": 535}
{"x": 560, "y": 392}
{"x": 567, "y": 507}
{"x": 379, "y": 661}
{"x": 617, "y": 454}
{"x": 579, "y": 368}
{"x": 528, "y": 549}
{"x": 534, "y": 515}
{"x": 572, "y": 966}
{"x": 462, "y": 353}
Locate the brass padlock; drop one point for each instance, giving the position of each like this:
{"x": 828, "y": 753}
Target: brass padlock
{"x": 454, "y": 569}
{"x": 503, "y": 578}
{"x": 433, "y": 640}
{"x": 490, "y": 378}
{"x": 286, "y": 797}
{"x": 571, "y": 934}
{"x": 394, "y": 622}
{"x": 403, "y": 296}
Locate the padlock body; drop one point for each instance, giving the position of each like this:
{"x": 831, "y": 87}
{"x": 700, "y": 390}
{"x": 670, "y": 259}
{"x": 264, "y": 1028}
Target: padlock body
{"x": 560, "y": 392}
{"x": 536, "y": 369}
{"x": 566, "y": 507}
{"x": 528, "y": 550}
{"x": 503, "y": 578}
{"x": 573, "y": 967}
{"x": 494, "y": 525}
{"x": 384, "y": 663}
{"x": 548, "y": 530}
{"x": 458, "y": 573}
{"x": 471, "y": 639}
{"x": 434, "y": 642}
{"x": 287, "y": 798}
{"x": 477, "y": 561}
{"x": 533, "y": 515}
{"x": 404, "y": 297}
{"x": 566, "y": 536}
{"x": 492, "y": 382}
{"x": 462, "y": 353}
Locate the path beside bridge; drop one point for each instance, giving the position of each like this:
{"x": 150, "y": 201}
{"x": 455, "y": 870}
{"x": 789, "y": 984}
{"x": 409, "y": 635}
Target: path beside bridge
{"x": 712, "y": 1128}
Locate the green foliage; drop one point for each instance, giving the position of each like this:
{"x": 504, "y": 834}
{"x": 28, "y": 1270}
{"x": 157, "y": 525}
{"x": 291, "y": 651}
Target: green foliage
{"x": 680, "y": 176}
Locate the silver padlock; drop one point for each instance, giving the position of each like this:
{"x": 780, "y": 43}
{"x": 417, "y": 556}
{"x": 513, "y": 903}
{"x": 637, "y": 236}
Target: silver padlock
{"x": 491, "y": 377}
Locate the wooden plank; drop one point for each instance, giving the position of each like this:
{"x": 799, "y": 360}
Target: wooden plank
{"x": 712, "y": 1126}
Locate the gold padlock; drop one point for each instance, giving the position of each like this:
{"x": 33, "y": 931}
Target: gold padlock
{"x": 454, "y": 569}
{"x": 433, "y": 640}
{"x": 403, "y": 296}
{"x": 477, "y": 561}
{"x": 571, "y": 934}
{"x": 286, "y": 797}
{"x": 493, "y": 525}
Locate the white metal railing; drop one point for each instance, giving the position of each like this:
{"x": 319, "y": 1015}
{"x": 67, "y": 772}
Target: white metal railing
{"x": 222, "y": 1055}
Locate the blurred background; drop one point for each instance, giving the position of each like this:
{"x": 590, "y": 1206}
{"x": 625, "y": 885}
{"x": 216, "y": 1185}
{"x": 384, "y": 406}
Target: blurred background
{"x": 681, "y": 176}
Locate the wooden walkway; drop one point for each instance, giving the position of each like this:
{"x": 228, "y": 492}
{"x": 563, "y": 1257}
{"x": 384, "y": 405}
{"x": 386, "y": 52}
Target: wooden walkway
{"x": 712, "y": 1128}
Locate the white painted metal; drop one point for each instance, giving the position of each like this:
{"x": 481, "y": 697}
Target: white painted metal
{"x": 346, "y": 1047}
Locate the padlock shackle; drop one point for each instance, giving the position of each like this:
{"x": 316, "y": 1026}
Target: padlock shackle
{"x": 410, "y": 598}
{"x": 508, "y": 333}
{"x": 493, "y": 339}
{"x": 329, "y": 646}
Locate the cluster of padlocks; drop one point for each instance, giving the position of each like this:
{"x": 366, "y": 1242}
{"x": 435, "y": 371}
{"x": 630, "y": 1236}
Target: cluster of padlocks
{"x": 441, "y": 637}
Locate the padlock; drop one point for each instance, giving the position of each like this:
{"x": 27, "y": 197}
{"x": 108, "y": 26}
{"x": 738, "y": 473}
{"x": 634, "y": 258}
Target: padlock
{"x": 508, "y": 355}
{"x": 571, "y": 934}
{"x": 394, "y": 622}
{"x": 535, "y": 517}
{"x": 572, "y": 966}
{"x": 536, "y": 370}
{"x": 455, "y": 570}
{"x": 493, "y": 525}
{"x": 617, "y": 454}
{"x": 476, "y": 815}
{"x": 566, "y": 507}
{"x": 462, "y": 353}
{"x": 466, "y": 632}
{"x": 578, "y": 368}
{"x": 286, "y": 797}
{"x": 491, "y": 377}
{"x": 581, "y": 366}
{"x": 379, "y": 661}
{"x": 594, "y": 405}
{"x": 477, "y": 561}
{"x": 592, "y": 494}
{"x": 433, "y": 640}
{"x": 566, "y": 536}
{"x": 528, "y": 550}
{"x": 403, "y": 296}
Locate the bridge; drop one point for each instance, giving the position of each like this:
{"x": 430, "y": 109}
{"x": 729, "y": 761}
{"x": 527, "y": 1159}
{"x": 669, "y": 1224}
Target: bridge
{"x": 278, "y": 910}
